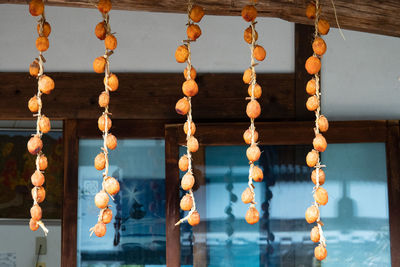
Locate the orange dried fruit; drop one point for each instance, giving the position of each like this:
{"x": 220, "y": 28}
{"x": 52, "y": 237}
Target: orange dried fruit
{"x": 193, "y": 144}
{"x": 312, "y": 214}
{"x": 181, "y": 54}
{"x": 193, "y": 32}
{"x": 100, "y": 229}
{"x": 33, "y": 225}
{"x": 192, "y": 128}
{"x": 311, "y": 11}
{"x": 319, "y": 46}
{"x": 253, "y": 153}
{"x": 314, "y": 235}
{"x": 100, "y": 161}
{"x": 247, "y": 196}
{"x": 36, "y": 7}
{"x": 247, "y": 136}
{"x": 111, "y": 141}
{"x": 312, "y": 103}
{"x": 194, "y": 218}
{"x": 196, "y": 13}
{"x": 104, "y": 99}
{"x": 320, "y": 252}
{"x": 46, "y": 29}
{"x": 320, "y": 143}
{"x": 253, "y": 109}
{"x": 99, "y": 64}
{"x": 35, "y": 145}
{"x": 312, "y": 158}
{"x": 101, "y": 123}
{"x": 113, "y": 82}
{"x": 249, "y": 13}
{"x": 33, "y": 104}
{"x": 44, "y": 124}
{"x": 252, "y": 215}
{"x": 323, "y": 26}
{"x": 37, "y": 178}
{"x": 40, "y": 194}
{"x": 248, "y": 35}
{"x": 323, "y": 123}
{"x": 107, "y": 216}
{"x": 34, "y": 68}
{"x": 42, "y": 162}
{"x": 100, "y": 31}
{"x": 311, "y": 87}
{"x": 42, "y": 43}
{"x": 110, "y": 42}
{"x": 259, "y": 53}
{"x": 101, "y": 200}
{"x": 321, "y": 176}
{"x": 183, "y": 163}
{"x": 257, "y": 174}
{"x": 186, "y": 202}
{"x": 321, "y": 196}
{"x": 36, "y": 212}
{"x": 193, "y": 73}
{"x": 46, "y": 84}
{"x": 190, "y": 88}
{"x": 104, "y": 6}
{"x": 247, "y": 76}
{"x": 111, "y": 185}
{"x": 313, "y": 65}
{"x": 187, "y": 181}
{"x": 182, "y": 106}
{"x": 257, "y": 90}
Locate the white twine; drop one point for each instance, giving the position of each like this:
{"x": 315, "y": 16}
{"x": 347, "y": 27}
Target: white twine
{"x": 39, "y": 116}
{"x": 189, "y": 120}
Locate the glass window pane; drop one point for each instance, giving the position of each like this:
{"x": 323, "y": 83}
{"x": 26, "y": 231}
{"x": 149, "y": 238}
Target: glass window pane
{"x": 356, "y": 225}
{"x": 136, "y": 236}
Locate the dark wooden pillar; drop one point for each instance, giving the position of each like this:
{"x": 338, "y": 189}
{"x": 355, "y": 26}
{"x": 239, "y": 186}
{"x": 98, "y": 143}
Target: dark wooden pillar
{"x": 70, "y": 196}
{"x": 393, "y": 167}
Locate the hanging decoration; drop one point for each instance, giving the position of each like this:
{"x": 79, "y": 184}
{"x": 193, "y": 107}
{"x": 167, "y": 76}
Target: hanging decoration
{"x": 45, "y": 86}
{"x": 313, "y": 67}
{"x": 110, "y": 185}
{"x": 253, "y": 111}
{"x": 184, "y": 107}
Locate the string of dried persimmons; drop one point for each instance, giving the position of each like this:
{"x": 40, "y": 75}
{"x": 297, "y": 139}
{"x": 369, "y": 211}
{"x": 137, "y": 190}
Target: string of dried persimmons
{"x": 313, "y": 67}
{"x": 253, "y": 110}
{"x": 110, "y": 185}
{"x": 184, "y": 107}
{"x": 45, "y": 86}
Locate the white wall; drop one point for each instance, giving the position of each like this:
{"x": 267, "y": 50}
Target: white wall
{"x": 21, "y": 240}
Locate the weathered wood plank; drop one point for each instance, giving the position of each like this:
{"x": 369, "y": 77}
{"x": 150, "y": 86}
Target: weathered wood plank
{"x": 363, "y": 15}
{"x": 147, "y": 96}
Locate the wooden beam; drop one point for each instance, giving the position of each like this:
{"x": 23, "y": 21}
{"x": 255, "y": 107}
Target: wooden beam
{"x": 70, "y": 196}
{"x": 363, "y": 15}
{"x": 150, "y": 96}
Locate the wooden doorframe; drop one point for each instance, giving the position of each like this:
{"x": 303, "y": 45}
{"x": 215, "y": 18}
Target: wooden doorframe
{"x": 283, "y": 133}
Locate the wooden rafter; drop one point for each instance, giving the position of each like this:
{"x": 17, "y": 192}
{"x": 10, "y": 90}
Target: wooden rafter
{"x": 362, "y": 15}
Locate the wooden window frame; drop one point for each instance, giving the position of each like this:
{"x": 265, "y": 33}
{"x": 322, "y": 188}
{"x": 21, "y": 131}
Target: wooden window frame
{"x": 271, "y": 133}
{"x": 282, "y": 133}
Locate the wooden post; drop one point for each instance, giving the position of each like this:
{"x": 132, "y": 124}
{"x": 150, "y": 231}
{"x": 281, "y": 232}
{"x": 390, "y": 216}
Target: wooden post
{"x": 70, "y": 196}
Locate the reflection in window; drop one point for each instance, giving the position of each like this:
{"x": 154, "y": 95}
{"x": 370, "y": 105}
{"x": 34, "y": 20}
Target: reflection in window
{"x": 356, "y": 224}
{"x": 136, "y": 236}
